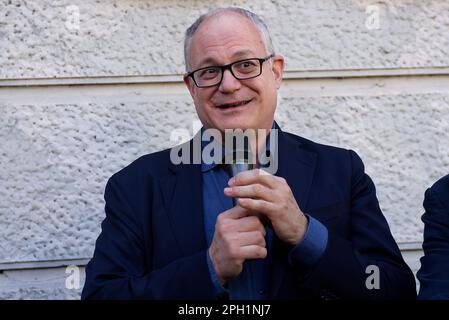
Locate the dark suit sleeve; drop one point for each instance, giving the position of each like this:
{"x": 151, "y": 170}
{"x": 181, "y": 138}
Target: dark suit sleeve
{"x": 121, "y": 267}
{"x": 342, "y": 270}
{"x": 434, "y": 272}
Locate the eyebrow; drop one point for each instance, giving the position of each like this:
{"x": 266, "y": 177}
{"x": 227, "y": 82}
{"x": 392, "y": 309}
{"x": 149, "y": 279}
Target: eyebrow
{"x": 237, "y": 54}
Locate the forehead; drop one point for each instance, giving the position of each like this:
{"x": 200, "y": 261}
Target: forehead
{"x": 224, "y": 38}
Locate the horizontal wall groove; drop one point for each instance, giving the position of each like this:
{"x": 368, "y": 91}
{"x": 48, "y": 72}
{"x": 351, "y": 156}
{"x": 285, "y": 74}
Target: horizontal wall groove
{"x": 24, "y": 265}
{"x": 177, "y": 78}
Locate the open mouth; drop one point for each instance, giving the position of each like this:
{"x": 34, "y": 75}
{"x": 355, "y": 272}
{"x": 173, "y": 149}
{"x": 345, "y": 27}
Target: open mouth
{"x": 234, "y": 104}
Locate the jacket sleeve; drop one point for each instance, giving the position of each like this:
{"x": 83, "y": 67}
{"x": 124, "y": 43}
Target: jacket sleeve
{"x": 348, "y": 266}
{"x": 434, "y": 272}
{"x": 121, "y": 267}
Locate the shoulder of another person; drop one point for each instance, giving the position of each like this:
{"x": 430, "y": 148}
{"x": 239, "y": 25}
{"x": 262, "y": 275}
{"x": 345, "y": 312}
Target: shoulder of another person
{"x": 442, "y": 183}
{"x": 440, "y": 189}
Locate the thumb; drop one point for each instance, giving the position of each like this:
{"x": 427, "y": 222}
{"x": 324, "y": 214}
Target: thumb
{"x": 237, "y": 212}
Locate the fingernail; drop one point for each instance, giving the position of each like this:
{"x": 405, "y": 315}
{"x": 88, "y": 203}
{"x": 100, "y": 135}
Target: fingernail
{"x": 231, "y": 181}
{"x": 241, "y": 201}
{"x": 227, "y": 189}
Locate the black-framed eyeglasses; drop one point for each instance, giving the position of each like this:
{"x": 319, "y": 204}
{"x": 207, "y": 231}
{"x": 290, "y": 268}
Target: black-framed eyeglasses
{"x": 241, "y": 70}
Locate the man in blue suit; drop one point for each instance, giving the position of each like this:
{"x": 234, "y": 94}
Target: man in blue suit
{"x": 433, "y": 275}
{"x": 310, "y": 229}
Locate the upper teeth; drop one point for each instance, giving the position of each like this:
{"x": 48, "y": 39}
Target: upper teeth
{"x": 234, "y": 104}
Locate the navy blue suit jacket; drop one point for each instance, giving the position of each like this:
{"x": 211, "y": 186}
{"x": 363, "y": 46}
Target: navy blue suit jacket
{"x": 153, "y": 246}
{"x": 433, "y": 275}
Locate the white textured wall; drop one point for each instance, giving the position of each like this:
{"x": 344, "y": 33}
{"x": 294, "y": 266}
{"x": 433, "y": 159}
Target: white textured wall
{"x": 144, "y": 37}
{"x": 76, "y": 105}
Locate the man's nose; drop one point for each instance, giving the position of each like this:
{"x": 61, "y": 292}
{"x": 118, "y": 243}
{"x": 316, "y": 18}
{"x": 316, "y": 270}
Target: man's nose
{"x": 229, "y": 83}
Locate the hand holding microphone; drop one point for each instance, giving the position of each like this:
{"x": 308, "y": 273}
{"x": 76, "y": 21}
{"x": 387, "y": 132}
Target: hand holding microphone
{"x": 239, "y": 234}
{"x": 261, "y": 197}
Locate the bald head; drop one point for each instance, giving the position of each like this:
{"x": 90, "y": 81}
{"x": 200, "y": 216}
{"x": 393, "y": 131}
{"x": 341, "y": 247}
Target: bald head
{"x": 252, "y": 17}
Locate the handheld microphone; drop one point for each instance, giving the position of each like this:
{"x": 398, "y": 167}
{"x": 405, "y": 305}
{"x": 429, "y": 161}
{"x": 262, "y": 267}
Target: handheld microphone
{"x": 239, "y": 160}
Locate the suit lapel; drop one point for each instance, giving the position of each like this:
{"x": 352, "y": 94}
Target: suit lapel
{"x": 297, "y": 166}
{"x": 183, "y": 198}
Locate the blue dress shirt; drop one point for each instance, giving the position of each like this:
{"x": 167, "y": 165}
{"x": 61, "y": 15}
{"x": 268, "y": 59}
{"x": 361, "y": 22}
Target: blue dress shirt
{"x": 253, "y": 282}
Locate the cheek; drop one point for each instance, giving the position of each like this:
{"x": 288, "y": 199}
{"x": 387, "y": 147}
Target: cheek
{"x": 200, "y": 99}
{"x": 267, "y": 94}
{"x": 202, "y": 102}
{"x": 265, "y": 86}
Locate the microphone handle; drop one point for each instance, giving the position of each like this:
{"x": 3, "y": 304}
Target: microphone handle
{"x": 236, "y": 168}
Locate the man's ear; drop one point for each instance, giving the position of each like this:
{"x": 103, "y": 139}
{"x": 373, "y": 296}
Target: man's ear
{"x": 189, "y": 84}
{"x": 278, "y": 69}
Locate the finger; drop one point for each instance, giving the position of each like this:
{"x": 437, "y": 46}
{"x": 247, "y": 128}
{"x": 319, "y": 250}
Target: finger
{"x": 253, "y": 252}
{"x": 264, "y": 207}
{"x": 255, "y": 176}
{"x": 250, "y": 191}
{"x": 236, "y": 212}
{"x": 251, "y": 223}
{"x": 251, "y": 238}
